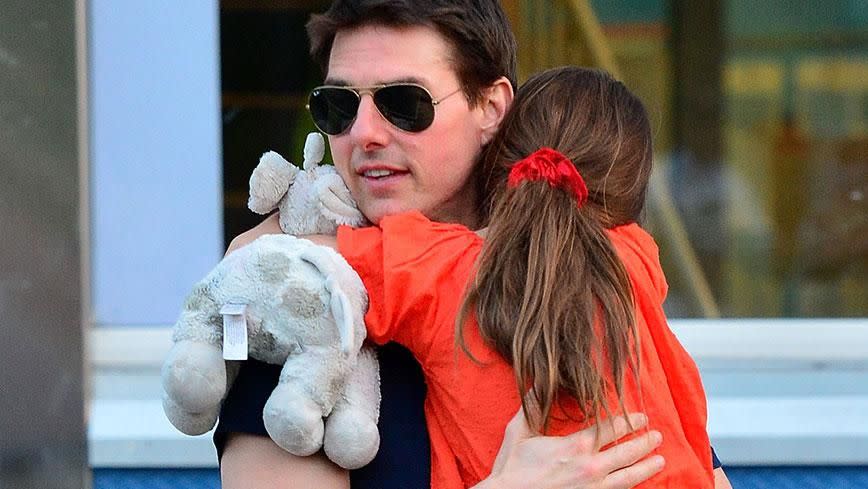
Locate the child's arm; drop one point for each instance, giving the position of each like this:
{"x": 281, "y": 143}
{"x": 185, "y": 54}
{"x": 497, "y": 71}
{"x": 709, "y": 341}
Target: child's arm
{"x": 323, "y": 240}
{"x": 720, "y": 479}
{"x": 256, "y": 462}
{"x": 271, "y": 225}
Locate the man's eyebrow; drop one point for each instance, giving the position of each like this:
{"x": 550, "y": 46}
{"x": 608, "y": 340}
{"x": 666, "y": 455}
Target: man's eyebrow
{"x": 408, "y": 79}
{"x": 336, "y": 82}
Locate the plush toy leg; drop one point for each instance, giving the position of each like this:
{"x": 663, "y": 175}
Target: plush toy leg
{"x": 293, "y": 421}
{"x": 307, "y": 390}
{"x": 352, "y": 438}
{"x": 194, "y": 382}
{"x": 196, "y": 423}
{"x": 188, "y": 422}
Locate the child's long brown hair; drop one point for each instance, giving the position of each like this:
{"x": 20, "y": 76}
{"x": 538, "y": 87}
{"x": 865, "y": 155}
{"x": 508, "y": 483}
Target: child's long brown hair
{"x": 551, "y": 295}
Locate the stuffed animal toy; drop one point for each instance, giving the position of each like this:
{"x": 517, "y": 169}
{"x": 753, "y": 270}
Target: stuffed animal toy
{"x": 284, "y": 300}
{"x": 314, "y": 200}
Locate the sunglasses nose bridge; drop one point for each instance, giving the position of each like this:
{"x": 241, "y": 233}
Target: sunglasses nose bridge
{"x": 372, "y": 91}
{"x": 365, "y": 91}
{"x": 360, "y": 96}
{"x": 368, "y": 114}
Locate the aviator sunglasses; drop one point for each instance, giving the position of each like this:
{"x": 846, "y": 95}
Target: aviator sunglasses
{"x": 407, "y": 106}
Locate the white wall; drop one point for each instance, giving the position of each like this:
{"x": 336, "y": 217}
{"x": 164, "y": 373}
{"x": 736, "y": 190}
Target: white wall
{"x": 156, "y": 191}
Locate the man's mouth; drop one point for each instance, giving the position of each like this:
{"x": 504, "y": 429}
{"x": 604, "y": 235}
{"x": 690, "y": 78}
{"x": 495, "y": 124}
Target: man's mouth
{"x": 381, "y": 173}
{"x": 378, "y": 173}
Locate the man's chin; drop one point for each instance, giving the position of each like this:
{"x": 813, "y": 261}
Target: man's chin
{"x": 377, "y": 212}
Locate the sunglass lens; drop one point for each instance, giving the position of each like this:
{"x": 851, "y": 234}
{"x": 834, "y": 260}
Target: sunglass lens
{"x": 408, "y": 107}
{"x": 333, "y": 109}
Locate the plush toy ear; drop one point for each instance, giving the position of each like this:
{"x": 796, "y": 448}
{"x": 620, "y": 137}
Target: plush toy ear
{"x": 269, "y": 182}
{"x": 343, "y": 314}
{"x": 342, "y": 310}
{"x": 335, "y": 201}
{"x": 314, "y": 150}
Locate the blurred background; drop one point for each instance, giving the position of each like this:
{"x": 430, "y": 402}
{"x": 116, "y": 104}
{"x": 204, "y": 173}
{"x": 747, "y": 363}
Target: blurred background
{"x": 128, "y": 131}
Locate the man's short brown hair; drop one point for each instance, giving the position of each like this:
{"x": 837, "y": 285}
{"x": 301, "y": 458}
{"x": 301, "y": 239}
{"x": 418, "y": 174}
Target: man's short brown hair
{"x": 483, "y": 45}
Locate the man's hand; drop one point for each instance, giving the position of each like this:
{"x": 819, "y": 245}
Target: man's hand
{"x": 527, "y": 459}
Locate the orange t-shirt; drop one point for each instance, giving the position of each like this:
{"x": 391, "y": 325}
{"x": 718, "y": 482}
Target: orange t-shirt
{"x": 416, "y": 272}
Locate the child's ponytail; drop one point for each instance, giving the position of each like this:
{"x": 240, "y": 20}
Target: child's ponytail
{"x": 546, "y": 275}
{"x": 551, "y": 294}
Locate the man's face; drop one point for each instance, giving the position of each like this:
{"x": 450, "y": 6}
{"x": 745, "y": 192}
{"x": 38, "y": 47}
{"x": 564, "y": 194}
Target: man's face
{"x": 389, "y": 170}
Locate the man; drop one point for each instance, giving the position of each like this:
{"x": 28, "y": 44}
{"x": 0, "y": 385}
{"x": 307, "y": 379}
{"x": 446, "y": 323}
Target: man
{"x": 454, "y": 61}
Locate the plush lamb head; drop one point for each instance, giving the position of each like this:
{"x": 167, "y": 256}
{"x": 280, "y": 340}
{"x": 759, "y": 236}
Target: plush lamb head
{"x": 314, "y": 200}
{"x": 285, "y": 301}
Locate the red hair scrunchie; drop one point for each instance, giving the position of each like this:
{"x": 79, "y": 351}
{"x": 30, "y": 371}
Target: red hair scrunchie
{"x": 555, "y": 168}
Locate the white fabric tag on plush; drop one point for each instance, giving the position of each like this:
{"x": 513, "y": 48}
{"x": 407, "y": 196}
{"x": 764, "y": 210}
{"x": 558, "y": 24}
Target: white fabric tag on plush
{"x": 234, "y": 331}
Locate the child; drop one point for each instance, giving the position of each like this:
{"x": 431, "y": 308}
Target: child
{"x": 559, "y": 308}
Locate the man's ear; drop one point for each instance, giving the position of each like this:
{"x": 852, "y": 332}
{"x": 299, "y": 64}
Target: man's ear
{"x": 496, "y": 101}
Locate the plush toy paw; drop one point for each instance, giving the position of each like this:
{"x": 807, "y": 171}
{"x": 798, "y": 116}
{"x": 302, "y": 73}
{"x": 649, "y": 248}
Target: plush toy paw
{"x": 335, "y": 201}
{"x": 187, "y": 422}
{"x": 194, "y": 383}
{"x": 294, "y": 421}
{"x": 314, "y": 150}
{"x": 269, "y": 182}
{"x": 194, "y": 376}
{"x": 351, "y": 438}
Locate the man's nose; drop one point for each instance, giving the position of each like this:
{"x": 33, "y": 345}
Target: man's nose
{"x": 369, "y": 131}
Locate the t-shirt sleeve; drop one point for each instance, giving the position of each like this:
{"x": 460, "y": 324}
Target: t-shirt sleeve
{"x": 415, "y": 272}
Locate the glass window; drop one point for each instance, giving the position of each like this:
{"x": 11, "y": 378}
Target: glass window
{"x": 760, "y": 112}
{"x": 795, "y": 156}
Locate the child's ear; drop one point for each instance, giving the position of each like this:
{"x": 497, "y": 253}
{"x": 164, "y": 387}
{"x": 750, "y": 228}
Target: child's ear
{"x": 496, "y": 101}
